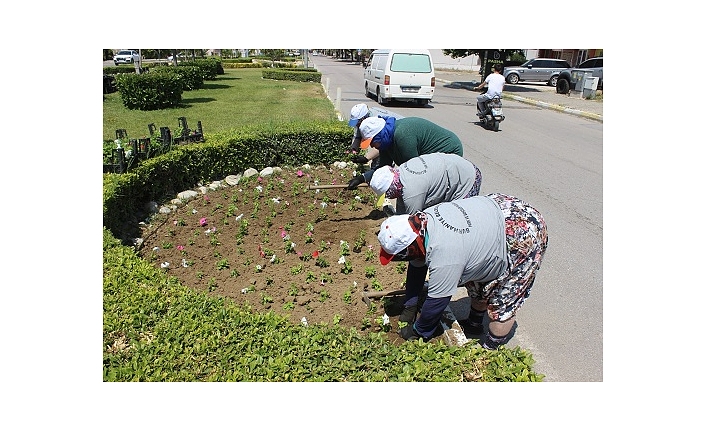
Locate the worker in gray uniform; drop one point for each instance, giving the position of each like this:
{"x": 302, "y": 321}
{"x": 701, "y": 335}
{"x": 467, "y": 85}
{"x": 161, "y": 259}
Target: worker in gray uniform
{"x": 492, "y": 244}
{"x": 417, "y": 184}
{"x": 427, "y": 180}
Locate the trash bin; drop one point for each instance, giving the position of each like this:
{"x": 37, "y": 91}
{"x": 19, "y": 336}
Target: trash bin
{"x": 590, "y": 85}
{"x": 578, "y": 77}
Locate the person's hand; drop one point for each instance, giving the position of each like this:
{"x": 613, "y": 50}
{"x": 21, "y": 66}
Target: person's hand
{"x": 408, "y": 333}
{"x": 355, "y": 182}
{"x": 359, "y": 159}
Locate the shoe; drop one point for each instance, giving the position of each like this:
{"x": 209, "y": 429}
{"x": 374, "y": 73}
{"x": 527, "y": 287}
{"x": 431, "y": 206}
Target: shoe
{"x": 409, "y": 314}
{"x": 471, "y": 329}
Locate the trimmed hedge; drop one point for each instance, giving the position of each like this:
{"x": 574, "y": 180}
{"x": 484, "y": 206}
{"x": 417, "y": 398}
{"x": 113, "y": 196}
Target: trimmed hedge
{"x": 228, "y": 153}
{"x": 291, "y": 74}
{"x": 149, "y": 91}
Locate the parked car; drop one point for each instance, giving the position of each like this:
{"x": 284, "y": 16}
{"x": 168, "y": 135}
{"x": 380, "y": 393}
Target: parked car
{"x": 537, "y": 69}
{"x": 568, "y": 78}
{"x": 126, "y": 57}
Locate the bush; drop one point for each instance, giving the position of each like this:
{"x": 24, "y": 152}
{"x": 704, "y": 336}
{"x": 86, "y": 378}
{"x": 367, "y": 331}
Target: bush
{"x": 208, "y": 68}
{"x": 149, "y": 91}
{"x": 190, "y": 76}
{"x": 291, "y": 74}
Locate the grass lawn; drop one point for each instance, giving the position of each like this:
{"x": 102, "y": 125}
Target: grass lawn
{"x": 239, "y": 98}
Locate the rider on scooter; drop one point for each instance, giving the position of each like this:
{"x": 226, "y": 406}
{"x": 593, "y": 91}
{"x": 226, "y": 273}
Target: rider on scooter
{"x": 495, "y": 82}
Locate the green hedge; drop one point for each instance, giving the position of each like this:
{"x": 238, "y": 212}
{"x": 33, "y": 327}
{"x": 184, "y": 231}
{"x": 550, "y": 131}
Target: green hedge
{"x": 242, "y": 65}
{"x": 161, "y": 178}
{"x": 208, "y": 67}
{"x": 291, "y": 74}
{"x": 149, "y": 91}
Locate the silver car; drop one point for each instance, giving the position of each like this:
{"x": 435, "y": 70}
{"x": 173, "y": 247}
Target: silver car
{"x": 537, "y": 69}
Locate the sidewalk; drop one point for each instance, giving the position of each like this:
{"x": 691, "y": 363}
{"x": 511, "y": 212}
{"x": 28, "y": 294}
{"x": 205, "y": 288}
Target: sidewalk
{"x": 533, "y": 93}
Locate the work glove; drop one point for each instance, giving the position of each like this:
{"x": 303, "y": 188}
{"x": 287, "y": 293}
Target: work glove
{"x": 359, "y": 159}
{"x": 408, "y": 333}
{"x": 355, "y": 182}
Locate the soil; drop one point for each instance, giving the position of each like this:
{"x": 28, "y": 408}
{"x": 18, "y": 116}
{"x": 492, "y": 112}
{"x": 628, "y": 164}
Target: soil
{"x": 275, "y": 245}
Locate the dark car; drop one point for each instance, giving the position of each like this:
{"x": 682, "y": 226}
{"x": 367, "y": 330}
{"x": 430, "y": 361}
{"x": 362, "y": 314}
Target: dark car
{"x": 537, "y": 69}
{"x": 568, "y": 78}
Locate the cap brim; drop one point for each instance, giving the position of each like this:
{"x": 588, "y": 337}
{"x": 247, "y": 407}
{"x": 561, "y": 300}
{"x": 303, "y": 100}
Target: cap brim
{"x": 366, "y": 143}
{"x": 385, "y": 257}
{"x": 353, "y": 122}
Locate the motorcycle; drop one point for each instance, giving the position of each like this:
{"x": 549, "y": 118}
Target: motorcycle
{"x": 494, "y": 113}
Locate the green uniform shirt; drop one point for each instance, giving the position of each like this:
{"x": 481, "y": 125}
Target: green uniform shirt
{"x": 414, "y": 137}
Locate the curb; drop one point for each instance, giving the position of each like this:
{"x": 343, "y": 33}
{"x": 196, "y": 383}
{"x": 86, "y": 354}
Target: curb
{"x": 577, "y": 112}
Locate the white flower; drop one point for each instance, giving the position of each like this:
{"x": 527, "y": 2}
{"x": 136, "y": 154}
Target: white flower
{"x": 385, "y": 319}
{"x": 287, "y": 238}
{"x": 239, "y": 217}
{"x": 316, "y": 182}
{"x": 258, "y": 188}
{"x": 357, "y": 198}
{"x": 355, "y": 284}
{"x": 342, "y": 260}
{"x": 184, "y": 264}
{"x": 207, "y": 231}
{"x": 155, "y": 249}
{"x": 324, "y": 204}
{"x": 276, "y": 200}
{"x": 244, "y": 290}
{"x": 193, "y": 211}
{"x": 317, "y": 190}
{"x": 294, "y": 244}
{"x": 165, "y": 265}
{"x": 258, "y": 267}
{"x": 304, "y": 322}
{"x": 272, "y": 259}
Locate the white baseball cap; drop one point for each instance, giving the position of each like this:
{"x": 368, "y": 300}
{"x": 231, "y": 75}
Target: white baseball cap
{"x": 381, "y": 180}
{"x": 395, "y": 235}
{"x": 357, "y": 112}
{"x": 370, "y": 127}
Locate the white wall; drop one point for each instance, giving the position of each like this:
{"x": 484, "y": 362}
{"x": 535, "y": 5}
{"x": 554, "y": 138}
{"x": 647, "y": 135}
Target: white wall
{"x": 442, "y": 61}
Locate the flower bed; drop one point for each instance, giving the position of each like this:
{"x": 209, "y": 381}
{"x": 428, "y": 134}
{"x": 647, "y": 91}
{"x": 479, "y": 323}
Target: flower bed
{"x": 274, "y": 244}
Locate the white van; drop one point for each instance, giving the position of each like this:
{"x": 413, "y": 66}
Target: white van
{"x": 400, "y": 74}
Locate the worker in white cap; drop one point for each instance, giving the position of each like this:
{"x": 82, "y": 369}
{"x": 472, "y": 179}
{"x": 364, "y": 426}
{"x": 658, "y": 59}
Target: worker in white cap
{"x": 492, "y": 244}
{"x": 400, "y": 140}
{"x": 359, "y": 113}
{"x": 427, "y": 180}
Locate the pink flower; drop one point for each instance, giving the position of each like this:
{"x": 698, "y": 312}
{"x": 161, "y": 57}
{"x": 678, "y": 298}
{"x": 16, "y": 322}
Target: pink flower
{"x": 315, "y": 253}
{"x": 283, "y": 234}
{"x": 259, "y": 179}
{"x": 308, "y": 234}
{"x": 205, "y": 197}
{"x": 300, "y": 173}
{"x": 203, "y": 221}
{"x": 180, "y": 247}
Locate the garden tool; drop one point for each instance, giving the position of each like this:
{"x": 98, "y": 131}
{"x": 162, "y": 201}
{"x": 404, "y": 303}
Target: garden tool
{"x": 376, "y": 294}
{"x": 333, "y": 186}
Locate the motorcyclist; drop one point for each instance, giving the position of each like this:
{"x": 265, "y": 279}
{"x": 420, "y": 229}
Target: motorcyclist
{"x": 495, "y": 82}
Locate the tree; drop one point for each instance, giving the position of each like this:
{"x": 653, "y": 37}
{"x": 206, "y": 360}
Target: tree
{"x": 504, "y": 55}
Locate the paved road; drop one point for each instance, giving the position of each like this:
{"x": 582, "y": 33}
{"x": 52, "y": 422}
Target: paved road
{"x": 553, "y": 160}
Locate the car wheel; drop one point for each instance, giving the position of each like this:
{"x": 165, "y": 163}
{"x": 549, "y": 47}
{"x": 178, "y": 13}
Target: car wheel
{"x": 381, "y": 100}
{"x": 367, "y": 93}
{"x": 422, "y": 102}
{"x": 562, "y": 86}
{"x": 552, "y": 81}
{"x": 513, "y": 78}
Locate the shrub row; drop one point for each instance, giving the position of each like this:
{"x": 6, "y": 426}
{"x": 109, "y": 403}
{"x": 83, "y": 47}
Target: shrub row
{"x": 156, "y": 329}
{"x": 228, "y": 153}
{"x": 292, "y": 74}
